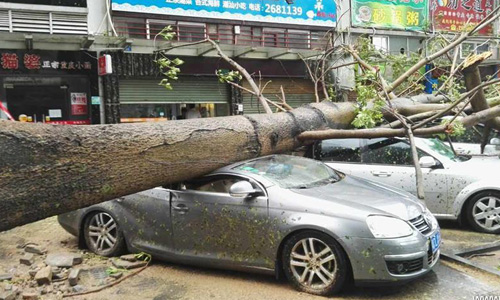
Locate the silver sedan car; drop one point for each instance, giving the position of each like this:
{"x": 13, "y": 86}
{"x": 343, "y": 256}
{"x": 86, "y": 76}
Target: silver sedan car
{"x": 278, "y": 214}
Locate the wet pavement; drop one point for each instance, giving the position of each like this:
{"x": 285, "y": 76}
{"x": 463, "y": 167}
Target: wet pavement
{"x": 163, "y": 281}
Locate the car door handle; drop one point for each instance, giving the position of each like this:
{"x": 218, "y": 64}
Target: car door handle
{"x": 381, "y": 173}
{"x": 182, "y": 208}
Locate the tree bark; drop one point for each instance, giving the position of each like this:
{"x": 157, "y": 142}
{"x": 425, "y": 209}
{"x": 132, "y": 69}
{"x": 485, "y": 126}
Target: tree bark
{"x": 46, "y": 169}
{"x": 472, "y": 77}
{"x": 49, "y": 169}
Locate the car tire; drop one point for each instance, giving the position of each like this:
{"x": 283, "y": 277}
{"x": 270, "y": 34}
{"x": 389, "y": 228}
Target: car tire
{"x": 483, "y": 212}
{"x": 323, "y": 271}
{"x": 103, "y": 235}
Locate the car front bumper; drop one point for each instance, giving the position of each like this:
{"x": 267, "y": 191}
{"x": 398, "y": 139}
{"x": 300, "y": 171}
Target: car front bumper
{"x": 391, "y": 260}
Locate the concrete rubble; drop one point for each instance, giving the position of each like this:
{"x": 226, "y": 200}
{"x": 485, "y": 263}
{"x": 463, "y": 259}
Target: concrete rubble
{"x": 42, "y": 275}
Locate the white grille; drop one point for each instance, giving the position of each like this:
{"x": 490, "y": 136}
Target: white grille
{"x": 4, "y": 20}
{"x": 69, "y": 23}
{"x": 25, "y": 21}
{"x": 43, "y": 22}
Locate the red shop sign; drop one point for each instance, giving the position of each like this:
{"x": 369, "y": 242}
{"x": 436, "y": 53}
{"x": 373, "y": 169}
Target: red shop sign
{"x": 79, "y": 105}
{"x": 454, "y": 15}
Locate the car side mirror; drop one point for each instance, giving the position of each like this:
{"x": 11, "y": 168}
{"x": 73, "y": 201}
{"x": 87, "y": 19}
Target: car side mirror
{"x": 427, "y": 162}
{"x": 495, "y": 141}
{"x": 242, "y": 189}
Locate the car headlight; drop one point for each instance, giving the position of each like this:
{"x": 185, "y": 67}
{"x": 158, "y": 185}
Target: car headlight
{"x": 388, "y": 227}
{"x": 429, "y": 217}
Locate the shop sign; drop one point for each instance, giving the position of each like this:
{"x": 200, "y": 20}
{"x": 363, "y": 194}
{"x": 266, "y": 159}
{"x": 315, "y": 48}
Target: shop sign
{"x": 398, "y": 14}
{"x": 105, "y": 66}
{"x": 312, "y": 12}
{"x": 79, "y": 104}
{"x": 16, "y": 60}
{"x": 460, "y": 15}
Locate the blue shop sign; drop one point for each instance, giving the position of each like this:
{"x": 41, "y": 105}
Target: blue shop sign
{"x": 310, "y": 12}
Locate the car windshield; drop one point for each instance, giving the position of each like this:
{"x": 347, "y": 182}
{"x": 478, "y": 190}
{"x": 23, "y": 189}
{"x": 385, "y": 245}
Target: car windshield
{"x": 438, "y": 147}
{"x": 291, "y": 172}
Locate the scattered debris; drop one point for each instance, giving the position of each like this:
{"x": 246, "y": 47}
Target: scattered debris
{"x": 129, "y": 257}
{"x": 63, "y": 260}
{"x": 123, "y": 264}
{"x": 34, "y": 248}
{"x": 116, "y": 275}
{"x": 54, "y": 275}
{"x": 7, "y": 295}
{"x": 78, "y": 289}
{"x": 30, "y": 296}
{"x": 73, "y": 277}
{"x": 5, "y": 277}
{"x": 44, "y": 276}
{"x": 27, "y": 259}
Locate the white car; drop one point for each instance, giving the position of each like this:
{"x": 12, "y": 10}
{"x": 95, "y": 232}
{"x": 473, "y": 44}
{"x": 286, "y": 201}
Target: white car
{"x": 469, "y": 143}
{"x": 456, "y": 187}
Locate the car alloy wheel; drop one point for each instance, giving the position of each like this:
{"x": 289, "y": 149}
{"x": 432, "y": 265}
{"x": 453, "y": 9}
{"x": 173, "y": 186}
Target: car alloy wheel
{"x": 315, "y": 263}
{"x": 486, "y": 212}
{"x": 483, "y": 212}
{"x": 103, "y": 235}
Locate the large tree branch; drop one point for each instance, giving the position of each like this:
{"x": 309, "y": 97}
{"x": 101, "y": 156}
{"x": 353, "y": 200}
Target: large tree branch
{"x": 245, "y": 74}
{"x": 468, "y": 121}
{"x": 486, "y": 21}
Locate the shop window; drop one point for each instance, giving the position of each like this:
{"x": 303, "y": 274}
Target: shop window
{"x": 143, "y": 112}
{"x": 274, "y": 37}
{"x": 298, "y": 39}
{"x": 466, "y": 49}
{"x": 225, "y": 33}
{"x": 381, "y": 43}
{"x": 156, "y": 26}
{"x": 319, "y": 39}
{"x": 481, "y": 48}
{"x": 190, "y": 32}
{"x": 245, "y": 36}
{"x": 130, "y": 27}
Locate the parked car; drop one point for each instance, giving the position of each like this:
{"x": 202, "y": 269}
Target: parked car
{"x": 469, "y": 143}
{"x": 276, "y": 214}
{"x": 456, "y": 187}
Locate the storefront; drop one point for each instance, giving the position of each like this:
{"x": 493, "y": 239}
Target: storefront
{"x": 143, "y": 100}
{"x": 49, "y": 86}
{"x": 298, "y": 92}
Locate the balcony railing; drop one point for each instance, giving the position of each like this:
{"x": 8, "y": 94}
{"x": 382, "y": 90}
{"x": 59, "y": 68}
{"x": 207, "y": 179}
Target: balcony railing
{"x": 224, "y": 34}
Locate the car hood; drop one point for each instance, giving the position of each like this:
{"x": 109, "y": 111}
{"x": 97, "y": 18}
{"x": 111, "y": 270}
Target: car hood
{"x": 368, "y": 196}
{"x": 477, "y": 167}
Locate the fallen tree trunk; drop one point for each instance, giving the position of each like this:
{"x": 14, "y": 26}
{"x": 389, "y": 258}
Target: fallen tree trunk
{"x": 46, "y": 170}
{"x": 49, "y": 169}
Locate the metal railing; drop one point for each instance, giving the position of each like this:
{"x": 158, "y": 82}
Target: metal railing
{"x": 224, "y": 34}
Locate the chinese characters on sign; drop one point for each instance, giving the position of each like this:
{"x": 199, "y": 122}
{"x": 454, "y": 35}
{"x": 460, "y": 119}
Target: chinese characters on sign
{"x": 11, "y": 61}
{"x": 311, "y": 12}
{"x": 398, "y": 14}
{"x": 78, "y": 104}
{"x": 454, "y": 15}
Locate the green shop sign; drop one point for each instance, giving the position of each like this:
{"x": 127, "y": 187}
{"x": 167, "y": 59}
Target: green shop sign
{"x": 397, "y": 14}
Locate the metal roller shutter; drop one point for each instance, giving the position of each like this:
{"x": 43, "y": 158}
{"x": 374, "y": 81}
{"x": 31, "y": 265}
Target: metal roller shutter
{"x": 297, "y": 92}
{"x": 185, "y": 90}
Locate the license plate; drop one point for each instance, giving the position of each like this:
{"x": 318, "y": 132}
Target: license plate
{"x": 435, "y": 241}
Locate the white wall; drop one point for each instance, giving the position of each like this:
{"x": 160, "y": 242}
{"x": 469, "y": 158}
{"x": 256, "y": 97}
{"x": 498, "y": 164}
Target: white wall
{"x": 96, "y": 13}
